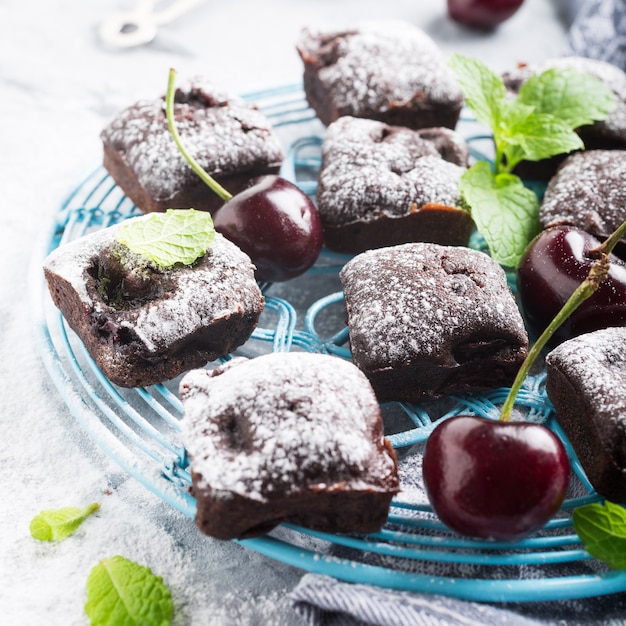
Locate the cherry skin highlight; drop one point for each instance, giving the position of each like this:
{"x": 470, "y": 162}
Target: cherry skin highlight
{"x": 492, "y": 479}
{"x": 276, "y": 224}
{"x": 551, "y": 268}
{"x": 485, "y": 14}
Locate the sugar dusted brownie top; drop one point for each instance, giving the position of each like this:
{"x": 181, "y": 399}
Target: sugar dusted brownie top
{"x": 427, "y": 320}
{"x": 377, "y": 69}
{"x": 223, "y": 133}
{"x": 370, "y": 169}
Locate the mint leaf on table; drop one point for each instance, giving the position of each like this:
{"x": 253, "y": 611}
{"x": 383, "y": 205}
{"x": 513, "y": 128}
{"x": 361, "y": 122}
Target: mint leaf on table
{"x": 602, "y": 528}
{"x": 56, "y": 524}
{"x": 508, "y": 215}
{"x": 120, "y": 591}
{"x": 575, "y": 98}
{"x": 176, "y": 236}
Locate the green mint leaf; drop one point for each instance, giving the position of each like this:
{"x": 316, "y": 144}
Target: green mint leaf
{"x": 505, "y": 212}
{"x": 575, "y": 98}
{"x": 484, "y": 90}
{"x": 56, "y": 524}
{"x": 602, "y": 528}
{"x": 540, "y": 136}
{"x": 120, "y": 591}
{"x": 176, "y": 236}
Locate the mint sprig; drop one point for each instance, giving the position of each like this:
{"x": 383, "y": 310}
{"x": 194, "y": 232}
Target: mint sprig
{"x": 57, "y": 524}
{"x": 602, "y": 528}
{"x": 120, "y": 591}
{"x": 166, "y": 239}
{"x": 537, "y": 124}
{"x": 508, "y": 215}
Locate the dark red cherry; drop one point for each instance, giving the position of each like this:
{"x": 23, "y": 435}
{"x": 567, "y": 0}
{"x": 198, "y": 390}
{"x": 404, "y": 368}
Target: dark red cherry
{"x": 551, "y": 268}
{"x": 493, "y": 479}
{"x": 276, "y": 224}
{"x": 482, "y": 13}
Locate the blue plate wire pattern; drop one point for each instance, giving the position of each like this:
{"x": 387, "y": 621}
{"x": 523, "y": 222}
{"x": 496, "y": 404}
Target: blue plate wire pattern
{"x": 140, "y": 429}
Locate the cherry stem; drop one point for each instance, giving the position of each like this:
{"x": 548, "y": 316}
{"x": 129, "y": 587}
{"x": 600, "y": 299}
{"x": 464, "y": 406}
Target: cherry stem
{"x": 597, "y": 274}
{"x": 195, "y": 166}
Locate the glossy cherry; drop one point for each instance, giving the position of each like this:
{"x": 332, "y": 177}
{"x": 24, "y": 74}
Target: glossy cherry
{"x": 492, "y": 479}
{"x": 276, "y": 224}
{"x": 485, "y": 14}
{"x": 552, "y": 266}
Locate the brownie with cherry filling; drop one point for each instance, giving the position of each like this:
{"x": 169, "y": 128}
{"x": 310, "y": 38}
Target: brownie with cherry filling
{"x": 143, "y": 325}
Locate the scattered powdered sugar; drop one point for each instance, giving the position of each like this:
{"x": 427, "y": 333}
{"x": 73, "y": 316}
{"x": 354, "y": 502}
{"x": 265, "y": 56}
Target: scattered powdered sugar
{"x": 370, "y": 169}
{"x": 388, "y": 63}
{"x": 588, "y": 191}
{"x": 274, "y": 424}
{"x": 596, "y": 364}
{"x": 415, "y": 302}
{"x": 222, "y": 132}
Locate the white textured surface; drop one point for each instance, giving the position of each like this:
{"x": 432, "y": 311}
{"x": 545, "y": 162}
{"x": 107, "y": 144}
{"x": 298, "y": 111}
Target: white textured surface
{"x": 59, "y": 88}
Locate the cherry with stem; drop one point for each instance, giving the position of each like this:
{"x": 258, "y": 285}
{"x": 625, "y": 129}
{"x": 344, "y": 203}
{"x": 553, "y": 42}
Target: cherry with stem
{"x": 503, "y": 480}
{"x": 272, "y": 220}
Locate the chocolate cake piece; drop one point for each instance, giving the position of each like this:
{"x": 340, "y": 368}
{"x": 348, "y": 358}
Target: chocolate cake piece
{"x": 384, "y": 70}
{"x": 382, "y": 185}
{"x": 427, "y": 321}
{"x": 588, "y": 192}
{"x": 605, "y": 135}
{"x": 229, "y": 138}
{"x": 586, "y": 382}
{"x": 282, "y": 437}
{"x": 144, "y": 326}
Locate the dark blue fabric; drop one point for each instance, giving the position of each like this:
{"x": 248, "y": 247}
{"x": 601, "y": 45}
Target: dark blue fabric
{"x": 598, "y": 31}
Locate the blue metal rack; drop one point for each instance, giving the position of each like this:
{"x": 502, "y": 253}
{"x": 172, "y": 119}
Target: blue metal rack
{"x": 139, "y": 428}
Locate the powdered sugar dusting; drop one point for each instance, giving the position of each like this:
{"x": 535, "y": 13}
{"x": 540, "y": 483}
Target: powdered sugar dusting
{"x": 370, "y": 169}
{"x": 595, "y": 363}
{"x": 414, "y": 302}
{"x": 402, "y": 63}
{"x": 281, "y": 423}
{"x": 588, "y": 191}
{"x": 220, "y": 131}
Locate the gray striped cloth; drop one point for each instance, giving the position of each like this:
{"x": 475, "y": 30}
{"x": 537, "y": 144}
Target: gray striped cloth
{"x": 324, "y": 601}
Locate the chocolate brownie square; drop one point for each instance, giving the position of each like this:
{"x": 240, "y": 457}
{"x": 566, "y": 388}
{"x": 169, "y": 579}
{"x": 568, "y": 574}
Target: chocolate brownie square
{"x": 385, "y": 70}
{"x": 427, "y": 321}
{"x": 586, "y": 382}
{"x": 382, "y": 185}
{"x": 609, "y": 134}
{"x": 142, "y": 325}
{"x": 292, "y": 437}
{"x": 229, "y": 138}
{"x": 588, "y": 192}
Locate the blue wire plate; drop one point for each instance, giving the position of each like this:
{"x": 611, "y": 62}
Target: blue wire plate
{"x": 139, "y": 428}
